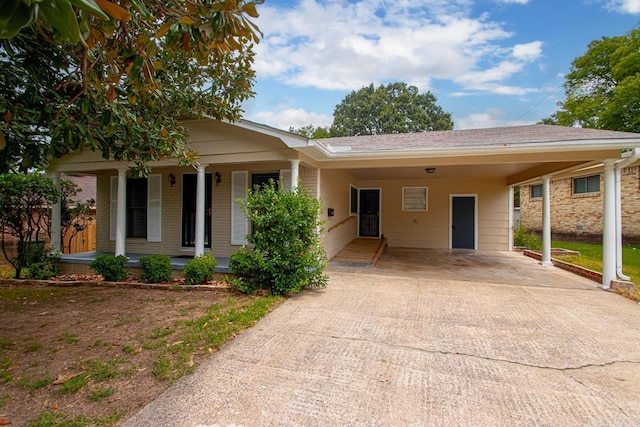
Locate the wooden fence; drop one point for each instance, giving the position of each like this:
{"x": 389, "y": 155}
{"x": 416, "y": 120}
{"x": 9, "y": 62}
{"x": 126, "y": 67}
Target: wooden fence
{"x": 84, "y": 241}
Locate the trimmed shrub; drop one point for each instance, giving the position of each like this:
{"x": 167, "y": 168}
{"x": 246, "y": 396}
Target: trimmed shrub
{"x": 111, "y": 268}
{"x": 199, "y": 270}
{"x": 45, "y": 268}
{"x": 286, "y": 255}
{"x": 156, "y": 268}
{"x": 525, "y": 238}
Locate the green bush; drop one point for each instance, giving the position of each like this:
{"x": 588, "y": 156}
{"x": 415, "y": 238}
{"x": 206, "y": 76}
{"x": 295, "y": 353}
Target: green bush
{"x": 45, "y": 268}
{"x": 199, "y": 270}
{"x": 156, "y": 268}
{"x": 111, "y": 268}
{"x": 525, "y": 238}
{"x": 286, "y": 255}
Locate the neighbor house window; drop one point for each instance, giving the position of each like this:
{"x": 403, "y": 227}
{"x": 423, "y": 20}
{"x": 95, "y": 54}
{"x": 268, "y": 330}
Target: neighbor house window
{"x": 536, "y": 191}
{"x": 414, "y": 198}
{"x": 586, "y": 184}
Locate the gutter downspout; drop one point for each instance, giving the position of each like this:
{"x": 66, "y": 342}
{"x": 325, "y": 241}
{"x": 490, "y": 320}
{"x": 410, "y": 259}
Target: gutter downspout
{"x": 633, "y": 156}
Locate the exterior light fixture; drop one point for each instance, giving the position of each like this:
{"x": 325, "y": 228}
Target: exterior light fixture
{"x": 172, "y": 179}
{"x": 430, "y": 170}
{"x": 218, "y": 178}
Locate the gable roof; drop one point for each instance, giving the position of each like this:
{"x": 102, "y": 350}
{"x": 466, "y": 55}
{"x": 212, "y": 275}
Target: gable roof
{"x": 544, "y": 135}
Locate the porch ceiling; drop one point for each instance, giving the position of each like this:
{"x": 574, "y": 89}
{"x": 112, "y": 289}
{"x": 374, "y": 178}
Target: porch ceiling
{"x": 442, "y": 172}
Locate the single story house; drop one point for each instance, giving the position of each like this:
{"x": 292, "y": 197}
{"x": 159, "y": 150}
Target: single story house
{"x": 576, "y": 204}
{"x": 445, "y": 189}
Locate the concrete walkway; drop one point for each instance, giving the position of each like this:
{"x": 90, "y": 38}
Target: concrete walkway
{"x": 385, "y": 348}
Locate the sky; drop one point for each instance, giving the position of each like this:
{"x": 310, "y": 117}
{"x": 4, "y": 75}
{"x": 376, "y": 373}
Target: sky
{"x": 490, "y": 63}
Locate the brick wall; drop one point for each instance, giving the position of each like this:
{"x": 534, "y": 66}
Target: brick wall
{"x": 581, "y": 215}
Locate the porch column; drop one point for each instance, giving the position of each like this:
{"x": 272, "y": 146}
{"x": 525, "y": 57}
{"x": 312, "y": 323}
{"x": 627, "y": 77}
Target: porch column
{"x": 295, "y": 172}
{"x": 56, "y": 219}
{"x": 609, "y": 225}
{"x": 546, "y": 221}
{"x": 200, "y": 196}
{"x": 121, "y": 215}
{"x": 510, "y": 204}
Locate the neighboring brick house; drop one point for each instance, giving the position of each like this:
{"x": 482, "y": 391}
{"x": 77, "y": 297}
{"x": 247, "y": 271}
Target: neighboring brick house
{"x": 576, "y": 205}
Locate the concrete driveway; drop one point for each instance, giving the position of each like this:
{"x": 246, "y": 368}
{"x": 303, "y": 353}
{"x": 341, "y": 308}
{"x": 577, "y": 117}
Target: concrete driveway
{"x": 387, "y": 347}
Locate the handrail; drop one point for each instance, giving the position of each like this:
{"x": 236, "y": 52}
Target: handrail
{"x": 336, "y": 225}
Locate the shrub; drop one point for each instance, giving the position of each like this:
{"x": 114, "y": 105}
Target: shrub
{"x": 525, "y": 238}
{"x": 156, "y": 268}
{"x": 45, "y": 268}
{"x": 111, "y": 268}
{"x": 286, "y": 254}
{"x": 247, "y": 266}
{"x": 200, "y": 269}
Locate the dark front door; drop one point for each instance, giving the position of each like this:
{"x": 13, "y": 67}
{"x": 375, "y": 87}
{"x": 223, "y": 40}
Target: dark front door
{"x": 369, "y": 213}
{"x": 463, "y": 222}
{"x": 189, "y": 182}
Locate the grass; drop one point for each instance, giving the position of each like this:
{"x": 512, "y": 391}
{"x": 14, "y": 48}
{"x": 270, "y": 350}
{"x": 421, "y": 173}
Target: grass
{"x": 59, "y": 419}
{"x": 591, "y": 257}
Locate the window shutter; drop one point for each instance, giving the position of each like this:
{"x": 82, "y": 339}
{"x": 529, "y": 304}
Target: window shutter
{"x": 239, "y": 225}
{"x": 154, "y": 208}
{"x": 113, "y": 207}
{"x": 285, "y": 178}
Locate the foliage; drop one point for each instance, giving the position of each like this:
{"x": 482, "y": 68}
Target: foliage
{"x": 156, "y": 268}
{"x": 45, "y": 267}
{"x": 286, "y": 254}
{"x": 395, "y": 108}
{"x": 114, "y": 77}
{"x": 310, "y": 131}
{"x": 602, "y": 88}
{"x": 111, "y": 268}
{"x": 247, "y": 266}
{"x": 200, "y": 269}
{"x": 526, "y": 239}
{"x": 23, "y": 202}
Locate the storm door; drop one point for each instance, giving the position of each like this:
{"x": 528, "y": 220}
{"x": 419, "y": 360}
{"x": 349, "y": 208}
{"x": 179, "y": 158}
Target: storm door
{"x": 463, "y": 222}
{"x": 369, "y": 217}
{"x": 189, "y": 182}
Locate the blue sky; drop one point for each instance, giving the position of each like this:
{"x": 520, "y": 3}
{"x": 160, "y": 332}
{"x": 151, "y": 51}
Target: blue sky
{"x": 489, "y": 62}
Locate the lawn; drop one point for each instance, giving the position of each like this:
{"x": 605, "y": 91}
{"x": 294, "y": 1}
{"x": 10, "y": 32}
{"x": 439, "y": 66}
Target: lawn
{"x": 76, "y": 356}
{"x": 591, "y": 257}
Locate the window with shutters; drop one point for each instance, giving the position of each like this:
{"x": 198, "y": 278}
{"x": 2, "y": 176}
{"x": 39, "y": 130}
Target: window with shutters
{"x": 415, "y": 199}
{"x": 137, "y": 207}
{"x": 143, "y": 208}
{"x": 239, "y": 224}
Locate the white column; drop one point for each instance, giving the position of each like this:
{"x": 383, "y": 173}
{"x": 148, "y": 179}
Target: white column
{"x": 546, "y": 221}
{"x": 56, "y": 219}
{"x": 200, "y": 197}
{"x": 121, "y": 215}
{"x": 510, "y": 204}
{"x": 295, "y": 172}
{"x": 609, "y": 226}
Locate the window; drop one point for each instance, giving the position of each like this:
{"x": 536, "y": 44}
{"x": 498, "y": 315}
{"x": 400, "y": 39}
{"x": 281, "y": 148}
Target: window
{"x": 137, "y": 207}
{"x": 414, "y": 198}
{"x": 536, "y": 191}
{"x": 353, "y": 201}
{"x": 586, "y": 184}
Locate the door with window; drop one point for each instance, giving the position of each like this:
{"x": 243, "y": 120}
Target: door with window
{"x": 189, "y": 183}
{"x": 463, "y": 222}
{"x": 369, "y": 216}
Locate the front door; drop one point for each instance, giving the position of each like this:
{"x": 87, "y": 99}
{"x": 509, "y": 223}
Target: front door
{"x": 369, "y": 213}
{"x": 463, "y": 222}
{"x": 189, "y": 182}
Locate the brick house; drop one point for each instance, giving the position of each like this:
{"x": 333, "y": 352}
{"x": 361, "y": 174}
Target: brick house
{"x": 577, "y": 205}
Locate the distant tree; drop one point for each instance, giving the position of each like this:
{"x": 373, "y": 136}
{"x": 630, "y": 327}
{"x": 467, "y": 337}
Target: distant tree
{"x": 395, "y": 108}
{"x": 602, "y": 88}
{"x": 115, "y": 76}
{"x": 310, "y": 131}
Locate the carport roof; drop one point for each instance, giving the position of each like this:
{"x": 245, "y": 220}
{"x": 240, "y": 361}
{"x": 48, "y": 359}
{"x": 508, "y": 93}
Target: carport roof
{"x": 477, "y": 138}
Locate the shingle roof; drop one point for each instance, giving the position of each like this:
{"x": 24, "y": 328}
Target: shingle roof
{"x": 473, "y": 138}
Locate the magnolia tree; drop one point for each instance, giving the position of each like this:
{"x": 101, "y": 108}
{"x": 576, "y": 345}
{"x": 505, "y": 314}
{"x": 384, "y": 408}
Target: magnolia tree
{"x": 114, "y": 76}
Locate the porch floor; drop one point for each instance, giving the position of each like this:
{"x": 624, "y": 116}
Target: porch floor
{"x": 177, "y": 262}
{"x": 360, "y": 252}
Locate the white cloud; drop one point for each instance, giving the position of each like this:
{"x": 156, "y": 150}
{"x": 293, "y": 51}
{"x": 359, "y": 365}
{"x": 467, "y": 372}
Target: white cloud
{"x": 625, "y": 6}
{"x": 344, "y": 45}
{"x": 493, "y": 117}
{"x": 513, "y": 1}
{"x": 290, "y": 117}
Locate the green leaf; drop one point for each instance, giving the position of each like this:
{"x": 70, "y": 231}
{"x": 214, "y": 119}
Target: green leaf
{"x": 61, "y": 16}
{"x": 14, "y": 16}
{"x": 90, "y": 6}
